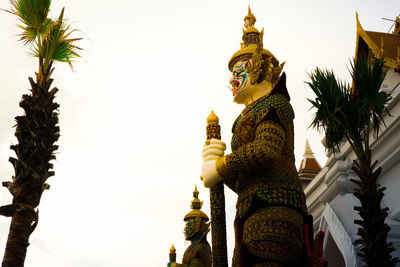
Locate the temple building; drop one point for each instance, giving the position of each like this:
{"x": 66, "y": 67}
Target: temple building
{"x": 329, "y": 193}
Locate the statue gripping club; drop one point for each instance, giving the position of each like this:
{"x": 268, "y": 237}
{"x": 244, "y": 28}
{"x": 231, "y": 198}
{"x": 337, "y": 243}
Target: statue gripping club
{"x": 261, "y": 168}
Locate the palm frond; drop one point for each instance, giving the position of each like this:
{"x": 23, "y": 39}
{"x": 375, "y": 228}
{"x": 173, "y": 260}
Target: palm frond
{"x": 331, "y": 104}
{"x": 33, "y": 16}
{"x": 56, "y": 46}
{"x": 368, "y": 76}
{"x": 351, "y": 114}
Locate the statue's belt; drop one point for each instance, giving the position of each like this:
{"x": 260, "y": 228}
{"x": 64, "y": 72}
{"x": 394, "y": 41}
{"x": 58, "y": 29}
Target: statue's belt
{"x": 272, "y": 192}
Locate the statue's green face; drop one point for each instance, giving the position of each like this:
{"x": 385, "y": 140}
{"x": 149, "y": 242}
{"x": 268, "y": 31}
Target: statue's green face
{"x": 189, "y": 228}
{"x": 240, "y": 81}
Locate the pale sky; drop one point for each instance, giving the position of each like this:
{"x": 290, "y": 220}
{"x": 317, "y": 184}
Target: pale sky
{"x": 133, "y": 114}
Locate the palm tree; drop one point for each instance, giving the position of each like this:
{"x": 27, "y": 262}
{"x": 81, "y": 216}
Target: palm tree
{"x": 37, "y": 130}
{"x": 353, "y": 113}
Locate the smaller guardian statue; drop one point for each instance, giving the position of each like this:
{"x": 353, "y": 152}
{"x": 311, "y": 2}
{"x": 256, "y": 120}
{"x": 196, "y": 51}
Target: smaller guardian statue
{"x": 198, "y": 254}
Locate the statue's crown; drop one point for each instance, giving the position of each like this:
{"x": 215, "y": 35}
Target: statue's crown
{"x": 251, "y": 35}
{"x": 196, "y": 207}
{"x": 252, "y": 41}
{"x": 250, "y": 17}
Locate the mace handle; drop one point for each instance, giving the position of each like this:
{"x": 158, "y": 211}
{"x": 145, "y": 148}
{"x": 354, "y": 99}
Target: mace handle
{"x": 217, "y": 204}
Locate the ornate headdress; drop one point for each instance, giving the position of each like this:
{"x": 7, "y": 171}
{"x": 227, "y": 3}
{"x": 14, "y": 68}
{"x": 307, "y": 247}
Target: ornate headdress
{"x": 196, "y": 208}
{"x": 250, "y": 17}
{"x": 252, "y": 48}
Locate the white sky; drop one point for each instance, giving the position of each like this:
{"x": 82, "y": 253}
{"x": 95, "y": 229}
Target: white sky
{"x": 133, "y": 114}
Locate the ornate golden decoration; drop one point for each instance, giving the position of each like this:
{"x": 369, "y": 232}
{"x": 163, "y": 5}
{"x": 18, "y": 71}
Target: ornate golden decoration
{"x": 212, "y": 118}
{"x": 256, "y": 60}
{"x": 381, "y": 50}
{"x": 213, "y": 130}
{"x": 376, "y": 50}
{"x": 172, "y": 254}
{"x": 263, "y": 62}
{"x": 196, "y": 208}
{"x": 396, "y": 29}
{"x": 398, "y": 56}
{"x": 221, "y": 167}
{"x": 250, "y": 17}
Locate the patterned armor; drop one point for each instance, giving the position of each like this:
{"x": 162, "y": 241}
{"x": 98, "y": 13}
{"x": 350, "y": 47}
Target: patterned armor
{"x": 261, "y": 170}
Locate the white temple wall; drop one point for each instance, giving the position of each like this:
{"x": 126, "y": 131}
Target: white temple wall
{"x": 329, "y": 196}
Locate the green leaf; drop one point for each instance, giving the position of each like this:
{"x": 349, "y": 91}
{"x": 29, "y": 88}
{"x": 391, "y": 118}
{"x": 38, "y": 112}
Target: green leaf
{"x": 56, "y": 46}
{"x": 33, "y": 16}
{"x": 344, "y": 113}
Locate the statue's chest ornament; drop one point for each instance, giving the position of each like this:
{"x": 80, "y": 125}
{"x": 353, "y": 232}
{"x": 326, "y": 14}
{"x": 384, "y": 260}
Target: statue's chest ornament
{"x": 246, "y": 129}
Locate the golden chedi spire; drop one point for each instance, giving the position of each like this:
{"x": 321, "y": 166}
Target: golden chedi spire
{"x": 196, "y": 207}
{"x": 309, "y": 166}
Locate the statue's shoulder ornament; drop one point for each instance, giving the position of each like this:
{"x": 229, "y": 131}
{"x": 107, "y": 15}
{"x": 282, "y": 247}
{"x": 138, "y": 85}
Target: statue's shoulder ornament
{"x": 275, "y": 106}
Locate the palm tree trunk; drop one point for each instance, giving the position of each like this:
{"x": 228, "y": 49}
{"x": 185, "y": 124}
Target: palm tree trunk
{"x": 375, "y": 251}
{"x": 36, "y": 132}
{"x": 18, "y": 237}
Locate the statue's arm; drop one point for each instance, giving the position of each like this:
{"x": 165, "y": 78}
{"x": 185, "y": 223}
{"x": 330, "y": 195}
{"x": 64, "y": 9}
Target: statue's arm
{"x": 266, "y": 147}
{"x": 202, "y": 258}
{"x": 230, "y": 181}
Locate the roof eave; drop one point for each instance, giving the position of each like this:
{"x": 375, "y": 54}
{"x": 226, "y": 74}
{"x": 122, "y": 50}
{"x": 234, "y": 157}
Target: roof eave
{"x": 378, "y": 52}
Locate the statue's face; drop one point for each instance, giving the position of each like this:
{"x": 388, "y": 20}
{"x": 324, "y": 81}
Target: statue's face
{"x": 247, "y": 23}
{"x": 189, "y": 230}
{"x": 240, "y": 82}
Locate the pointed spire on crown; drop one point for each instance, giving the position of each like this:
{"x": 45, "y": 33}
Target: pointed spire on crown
{"x": 252, "y": 46}
{"x": 251, "y": 35}
{"x": 196, "y": 207}
{"x": 251, "y": 19}
{"x": 196, "y": 203}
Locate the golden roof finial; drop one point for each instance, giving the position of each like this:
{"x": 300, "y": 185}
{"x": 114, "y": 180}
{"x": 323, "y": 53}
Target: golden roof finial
{"x": 172, "y": 250}
{"x": 396, "y": 29}
{"x": 212, "y": 118}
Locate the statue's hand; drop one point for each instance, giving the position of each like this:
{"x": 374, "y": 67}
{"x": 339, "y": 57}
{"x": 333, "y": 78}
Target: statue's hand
{"x": 213, "y": 149}
{"x": 209, "y": 174}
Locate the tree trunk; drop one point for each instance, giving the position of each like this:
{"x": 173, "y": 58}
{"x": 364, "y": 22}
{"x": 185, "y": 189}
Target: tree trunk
{"x": 36, "y": 132}
{"x": 375, "y": 251}
{"x": 18, "y": 237}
